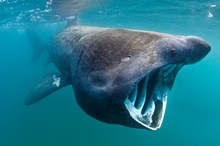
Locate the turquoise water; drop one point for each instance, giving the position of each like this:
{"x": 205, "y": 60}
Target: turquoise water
{"x": 193, "y": 113}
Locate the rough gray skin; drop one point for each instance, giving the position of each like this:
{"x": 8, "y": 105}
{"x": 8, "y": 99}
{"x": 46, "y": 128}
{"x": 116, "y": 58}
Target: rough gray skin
{"x": 119, "y": 76}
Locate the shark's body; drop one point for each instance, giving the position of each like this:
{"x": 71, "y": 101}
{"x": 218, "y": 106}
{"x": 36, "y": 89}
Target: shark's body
{"x": 119, "y": 76}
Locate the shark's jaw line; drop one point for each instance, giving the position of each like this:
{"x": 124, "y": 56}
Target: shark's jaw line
{"x": 146, "y": 103}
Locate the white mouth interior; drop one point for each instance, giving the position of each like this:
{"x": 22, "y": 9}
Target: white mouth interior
{"x": 147, "y": 101}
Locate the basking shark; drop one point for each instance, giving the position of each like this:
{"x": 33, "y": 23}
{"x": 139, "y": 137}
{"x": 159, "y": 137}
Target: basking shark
{"x": 119, "y": 76}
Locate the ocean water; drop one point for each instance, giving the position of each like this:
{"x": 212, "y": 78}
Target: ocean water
{"x": 193, "y": 112}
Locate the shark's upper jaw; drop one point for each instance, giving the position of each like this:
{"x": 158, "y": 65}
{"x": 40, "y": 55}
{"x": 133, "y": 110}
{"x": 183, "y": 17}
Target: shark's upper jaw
{"x": 146, "y": 103}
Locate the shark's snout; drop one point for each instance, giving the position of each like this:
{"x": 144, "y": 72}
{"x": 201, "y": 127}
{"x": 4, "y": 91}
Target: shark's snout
{"x": 185, "y": 50}
{"x": 197, "y": 49}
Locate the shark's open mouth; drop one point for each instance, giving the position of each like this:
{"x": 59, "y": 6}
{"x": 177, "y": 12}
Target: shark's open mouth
{"x": 147, "y": 101}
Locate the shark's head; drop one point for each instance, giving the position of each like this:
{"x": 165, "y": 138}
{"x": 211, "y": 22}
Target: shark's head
{"x": 147, "y": 100}
{"x": 124, "y": 77}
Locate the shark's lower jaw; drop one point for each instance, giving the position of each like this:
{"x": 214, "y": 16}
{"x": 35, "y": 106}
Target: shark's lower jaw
{"x": 146, "y": 103}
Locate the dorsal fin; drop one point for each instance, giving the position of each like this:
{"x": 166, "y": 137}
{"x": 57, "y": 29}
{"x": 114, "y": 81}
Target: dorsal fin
{"x": 37, "y": 44}
{"x": 49, "y": 84}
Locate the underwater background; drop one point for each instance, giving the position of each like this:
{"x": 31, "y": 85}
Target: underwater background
{"x": 193, "y": 110}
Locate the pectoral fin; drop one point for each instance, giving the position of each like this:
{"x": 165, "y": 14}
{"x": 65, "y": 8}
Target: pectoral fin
{"x": 50, "y": 83}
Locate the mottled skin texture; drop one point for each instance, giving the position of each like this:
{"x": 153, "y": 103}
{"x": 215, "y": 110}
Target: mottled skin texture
{"x": 104, "y": 65}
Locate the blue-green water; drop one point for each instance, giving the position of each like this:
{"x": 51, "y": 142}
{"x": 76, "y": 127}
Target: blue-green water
{"x": 193, "y": 113}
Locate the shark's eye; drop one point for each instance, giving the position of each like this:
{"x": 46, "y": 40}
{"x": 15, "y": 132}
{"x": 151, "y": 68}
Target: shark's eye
{"x": 173, "y": 53}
